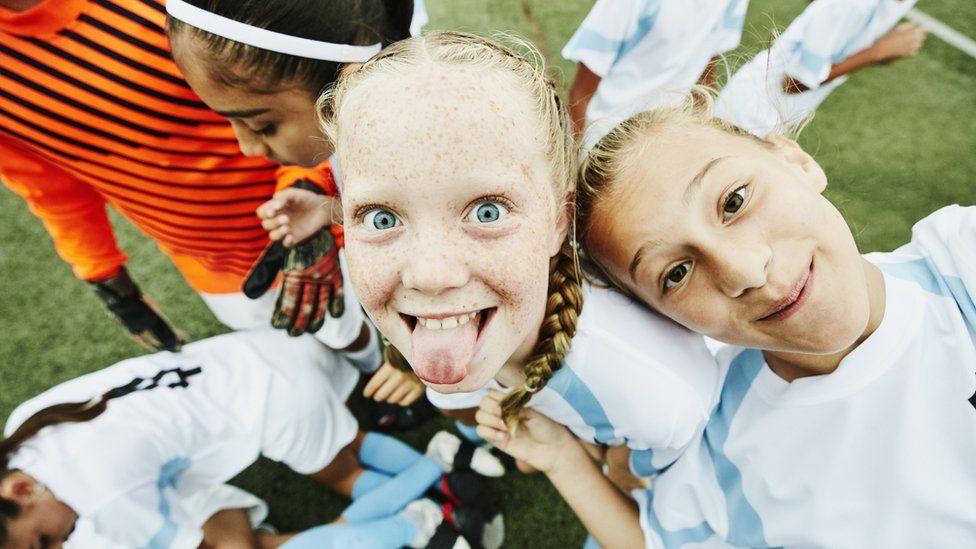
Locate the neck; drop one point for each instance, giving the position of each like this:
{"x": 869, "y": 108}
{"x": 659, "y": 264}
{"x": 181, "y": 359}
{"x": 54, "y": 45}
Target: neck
{"x": 512, "y": 373}
{"x": 792, "y": 366}
{"x": 19, "y": 5}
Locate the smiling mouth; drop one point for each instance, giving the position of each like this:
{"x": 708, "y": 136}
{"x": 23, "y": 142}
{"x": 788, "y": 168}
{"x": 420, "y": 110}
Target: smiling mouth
{"x": 450, "y": 321}
{"x": 786, "y": 306}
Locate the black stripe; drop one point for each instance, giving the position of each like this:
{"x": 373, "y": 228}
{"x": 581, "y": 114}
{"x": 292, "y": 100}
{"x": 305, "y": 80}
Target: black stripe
{"x": 154, "y": 5}
{"x": 196, "y": 242}
{"x": 135, "y": 18}
{"x": 51, "y": 153}
{"x": 91, "y": 89}
{"x": 116, "y": 78}
{"x": 105, "y": 152}
{"x": 132, "y": 40}
{"x": 133, "y": 64}
{"x": 101, "y": 133}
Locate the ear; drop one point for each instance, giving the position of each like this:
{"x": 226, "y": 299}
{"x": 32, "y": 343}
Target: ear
{"x": 18, "y": 487}
{"x": 564, "y": 218}
{"x": 793, "y": 154}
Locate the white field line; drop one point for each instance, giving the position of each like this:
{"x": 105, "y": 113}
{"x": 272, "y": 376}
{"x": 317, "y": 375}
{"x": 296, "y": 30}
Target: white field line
{"x": 943, "y": 31}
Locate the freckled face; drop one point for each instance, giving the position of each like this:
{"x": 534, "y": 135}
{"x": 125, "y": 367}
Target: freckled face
{"x": 280, "y": 125}
{"x": 749, "y": 253}
{"x": 451, "y": 218}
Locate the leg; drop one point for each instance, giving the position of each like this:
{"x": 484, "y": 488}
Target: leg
{"x": 229, "y": 529}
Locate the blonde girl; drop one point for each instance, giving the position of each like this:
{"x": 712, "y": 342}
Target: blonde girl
{"x": 457, "y": 162}
{"x": 846, "y": 416}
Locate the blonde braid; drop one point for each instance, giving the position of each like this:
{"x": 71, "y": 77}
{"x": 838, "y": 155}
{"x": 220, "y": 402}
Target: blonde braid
{"x": 563, "y": 308}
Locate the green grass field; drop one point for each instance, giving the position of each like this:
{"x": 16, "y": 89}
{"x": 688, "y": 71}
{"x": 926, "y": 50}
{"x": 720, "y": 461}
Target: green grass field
{"x": 897, "y": 142}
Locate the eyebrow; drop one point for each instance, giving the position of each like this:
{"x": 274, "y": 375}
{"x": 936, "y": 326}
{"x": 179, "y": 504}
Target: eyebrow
{"x": 693, "y": 187}
{"x": 242, "y": 113}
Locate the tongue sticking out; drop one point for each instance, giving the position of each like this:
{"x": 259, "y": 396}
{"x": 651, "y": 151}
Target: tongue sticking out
{"x": 443, "y": 356}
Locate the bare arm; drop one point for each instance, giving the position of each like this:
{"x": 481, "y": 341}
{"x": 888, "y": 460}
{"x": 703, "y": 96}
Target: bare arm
{"x": 608, "y": 514}
{"x": 903, "y": 41}
{"x": 584, "y": 86}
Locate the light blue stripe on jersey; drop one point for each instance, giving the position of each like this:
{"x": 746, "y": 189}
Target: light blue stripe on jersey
{"x": 812, "y": 63}
{"x": 735, "y": 16}
{"x": 169, "y": 475}
{"x": 580, "y": 398}
{"x": 926, "y": 274}
{"x": 745, "y": 525}
{"x": 587, "y": 39}
{"x": 844, "y": 52}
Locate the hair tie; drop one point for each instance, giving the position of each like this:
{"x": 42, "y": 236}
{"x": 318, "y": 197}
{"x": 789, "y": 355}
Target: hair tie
{"x": 266, "y": 39}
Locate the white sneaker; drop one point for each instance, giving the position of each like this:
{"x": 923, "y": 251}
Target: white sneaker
{"x": 452, "y": 453}
{"x": 426, "y": 516}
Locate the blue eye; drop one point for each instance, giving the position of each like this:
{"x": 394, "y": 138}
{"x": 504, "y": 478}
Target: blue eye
{"x": 380, "y": 220}
{"x": 676, "y": 275}
{"x": 489, "y": 212}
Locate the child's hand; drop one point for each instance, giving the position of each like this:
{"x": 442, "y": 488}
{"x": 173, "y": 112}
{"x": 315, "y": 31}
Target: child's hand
{"x": 902, "y": 41}
{"x": 394, "y": 386}
{"x": 537, "y": 441}
{"x": 294, "y": 215}
{"x": 617, "y": 460}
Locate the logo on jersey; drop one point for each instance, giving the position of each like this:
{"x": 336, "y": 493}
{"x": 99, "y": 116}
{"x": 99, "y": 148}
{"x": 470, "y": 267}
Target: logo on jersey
{"x": 172, "y": 378}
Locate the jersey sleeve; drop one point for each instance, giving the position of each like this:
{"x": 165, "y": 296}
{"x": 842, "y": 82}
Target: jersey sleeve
{"x": 605, "y": 32}
{"x": 946, "y": 241}
{"x": 72, "y": 212}
{"x": 728, "y": 33}
{"x": 827, "y": 27}
{"x": 321, "y": 176}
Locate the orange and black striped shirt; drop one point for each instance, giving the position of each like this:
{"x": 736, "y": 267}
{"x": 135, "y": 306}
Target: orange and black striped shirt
{"x": 93, "y": 111}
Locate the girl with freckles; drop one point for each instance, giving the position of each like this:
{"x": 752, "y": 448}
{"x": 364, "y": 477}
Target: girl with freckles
{"x": 458, "y": 166}
{"x": 846, "y": 417}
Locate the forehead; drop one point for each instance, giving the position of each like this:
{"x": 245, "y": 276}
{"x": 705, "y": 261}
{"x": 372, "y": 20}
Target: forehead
{"x": 647, "y": 199}
{"x": 437, "y": 122}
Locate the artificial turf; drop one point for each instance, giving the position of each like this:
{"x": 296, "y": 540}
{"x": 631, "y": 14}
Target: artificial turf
{"x": 897, "y": 142}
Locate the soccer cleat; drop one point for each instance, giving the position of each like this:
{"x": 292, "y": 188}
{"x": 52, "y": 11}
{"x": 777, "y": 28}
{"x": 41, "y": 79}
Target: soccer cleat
{"x": 455, "y": 454}
{"x": 481, "y": 531}
{"x": 427, "y": 518}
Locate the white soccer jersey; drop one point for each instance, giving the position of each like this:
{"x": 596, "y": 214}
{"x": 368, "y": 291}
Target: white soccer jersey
{"x": 878, "y": 453}
{"x": 645, "y": 50}
{"x": 631, "y": 377}
{"x": 149, "y": 470}
{"x": 826, "y": 33}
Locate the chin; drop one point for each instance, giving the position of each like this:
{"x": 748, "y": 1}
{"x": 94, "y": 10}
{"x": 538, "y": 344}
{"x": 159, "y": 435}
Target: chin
{"x": 473, "y": 381}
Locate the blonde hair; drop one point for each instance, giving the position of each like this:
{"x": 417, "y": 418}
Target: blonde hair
{"x": 565, "y": 300}
{"x": 616, "y": 152}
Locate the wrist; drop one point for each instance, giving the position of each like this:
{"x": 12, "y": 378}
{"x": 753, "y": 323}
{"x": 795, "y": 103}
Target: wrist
{"x": 571, "y": 458}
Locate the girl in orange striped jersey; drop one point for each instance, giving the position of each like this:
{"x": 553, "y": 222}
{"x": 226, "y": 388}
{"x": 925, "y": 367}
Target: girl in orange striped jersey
{"x": 93, "y": 110}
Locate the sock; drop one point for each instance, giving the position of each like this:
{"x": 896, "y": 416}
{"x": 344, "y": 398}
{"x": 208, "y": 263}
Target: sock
{"x": 386, "y": 454}
{"x": 396, "y": 493}
{"x": 367, "y": 482}
{"x": 388, "y": 533}
{"x": 469, "y": 432}
{"x": 367, "y": 359}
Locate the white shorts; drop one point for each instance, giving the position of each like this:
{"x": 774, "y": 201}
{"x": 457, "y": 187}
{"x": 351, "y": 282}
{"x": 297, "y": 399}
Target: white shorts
{"x": 238, "y": 312}
{"x": 307, "y": 422}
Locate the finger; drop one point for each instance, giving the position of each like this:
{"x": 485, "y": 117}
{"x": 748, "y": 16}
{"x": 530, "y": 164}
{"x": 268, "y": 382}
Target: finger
{"x": 495, "y": 436}
{"x": 307, "y": 308}
{"x": 492, "y": 402}
{"x": 337, "y": 305}
{"x": 377, "y": 380}
{"x": 279, "y": 233}
{"x": 322, "y": 295}
{"x": 269, "y": 209}
{"x": 401, "y": 391}
{"x": 416, "y": 391}
{"x": 275, "y": 222}
{"x": 384, "y": 392}
{"x": 289, "y": 296}
{"x": 489, "y": 419}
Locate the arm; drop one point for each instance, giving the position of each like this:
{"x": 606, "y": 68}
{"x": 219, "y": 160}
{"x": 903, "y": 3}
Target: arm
{"x": 903, "y": 41}
{"x": 609, "y": 515}
{"x": 584, "y": 86}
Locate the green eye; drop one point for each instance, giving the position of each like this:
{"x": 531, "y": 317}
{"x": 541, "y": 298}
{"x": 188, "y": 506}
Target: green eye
{"x": 734, "y": 201}
{"x": 676, "y": 275}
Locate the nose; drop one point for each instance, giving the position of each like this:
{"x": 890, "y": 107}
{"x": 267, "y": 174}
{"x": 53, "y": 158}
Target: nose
{"x": 250, "y": 143}
{"x": 740, "y": 265}
{"x": 435, "y": 263}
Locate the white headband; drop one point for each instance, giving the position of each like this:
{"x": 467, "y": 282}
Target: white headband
{"x": 268, "y": 40}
